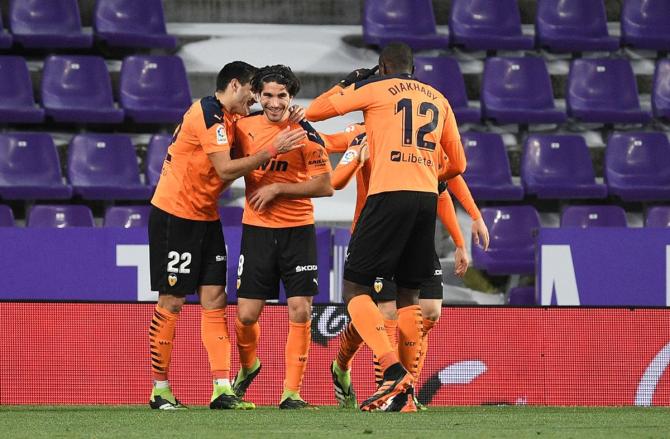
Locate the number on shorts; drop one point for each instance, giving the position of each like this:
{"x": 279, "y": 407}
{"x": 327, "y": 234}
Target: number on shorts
{"x": 174, "y": 258}
{"x": 240, "y": 266}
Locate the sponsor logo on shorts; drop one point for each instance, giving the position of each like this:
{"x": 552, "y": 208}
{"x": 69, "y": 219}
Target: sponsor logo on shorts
{"x": 301, "y": 268}
{"x": 220, "y": 258}
{"x": 378, "y": 285}
{"x": 438, "y": 272}
{"x": 172, "y": 279}
{"x": 398, "y": 156}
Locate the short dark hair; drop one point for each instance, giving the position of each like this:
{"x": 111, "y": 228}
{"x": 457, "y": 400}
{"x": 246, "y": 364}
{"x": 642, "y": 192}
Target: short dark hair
{"x": 280, "y": 74}
{"x": 239, "y": 70}
{"x": 397, "y": 57}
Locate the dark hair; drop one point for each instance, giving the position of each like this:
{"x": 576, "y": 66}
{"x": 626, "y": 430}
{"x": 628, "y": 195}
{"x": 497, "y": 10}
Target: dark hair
{"x": 280, "y": 74}
{"x": 239, "y": 70}
{"x": 397, "y": 57}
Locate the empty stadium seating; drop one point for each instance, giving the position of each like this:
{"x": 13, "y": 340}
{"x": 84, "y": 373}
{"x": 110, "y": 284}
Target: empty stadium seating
{"x": 444, "y": 74}
{"x": 645, "y": 24}
{"x": 512, "y": 247}
{"x": 658, "y": 216}
{"x": 593, "y": 216}
{"x": 154, "y": 89}
{"x": 487, "y": 25}
{"x": 127, "y": 216}
{"x": 30, "y": 168}
{"x": 559, "y": 166}
{"x": 399, "y": 20}
{"x": 6, "y": 216}
{"x": 604, "y": 91}
{"x": 156, "y": 150}
{"x": 17, "y": 102}
{"x": 660, "y": 98}
{"x": 131, "y": 23}
{"x": 6, "y": 39}
{"x": 47, "y": 24}
{"x": 637, "y": 166}
{"x": 78, "y": 89}
{"x": 104, "y": 167}
{"x": 488, "y": 172}
{"x": 60, "y": 216}
{"x": 573, "y": 26}
{"x": 518, "y": 90}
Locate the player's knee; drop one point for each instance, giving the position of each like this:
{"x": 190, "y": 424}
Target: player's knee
{"x": 300, "y": 312}
{"x": 247, "y": 318}
{"x": 431, "y": 314}
{"x": 388, "y": 310}
{"x": 171, "y": 303}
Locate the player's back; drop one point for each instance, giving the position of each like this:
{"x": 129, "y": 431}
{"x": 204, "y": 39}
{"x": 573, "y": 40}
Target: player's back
{"x": 405, "y": 120}
{"x": 189, "y": 186}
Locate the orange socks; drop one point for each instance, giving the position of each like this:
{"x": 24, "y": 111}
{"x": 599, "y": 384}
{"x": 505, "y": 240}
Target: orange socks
{"x": 161, "y": 336}
{"x": 391, "y": 327}
{"x": 409, "y": 338}
{"x": 427, "y": 326}
{"x": 297, "y": 348}
{"x": 350, "y": 342}
{"x": 214, "y": 333}
{"x": 369, "y": 323}
{"x": 247, "y": 342}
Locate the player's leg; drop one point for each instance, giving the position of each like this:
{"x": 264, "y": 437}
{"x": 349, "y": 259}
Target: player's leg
{"x": 387, "y": 306}
{"x": 172, "y": 242}
{"x": 340, "y": 368}
{"x": 257, "y": 281}
{"x": 299, "y": 272}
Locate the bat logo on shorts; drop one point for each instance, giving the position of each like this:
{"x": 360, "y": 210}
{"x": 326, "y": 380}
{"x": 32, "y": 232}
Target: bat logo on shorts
{"x": 172, "y": 279}
{"x": 378, "y": 285}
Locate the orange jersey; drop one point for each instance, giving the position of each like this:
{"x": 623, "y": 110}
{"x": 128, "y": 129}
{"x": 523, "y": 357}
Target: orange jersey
{"x": 189, "y": 186}
{"x": 256, "y": 132}
{"x": 408, "y": 123}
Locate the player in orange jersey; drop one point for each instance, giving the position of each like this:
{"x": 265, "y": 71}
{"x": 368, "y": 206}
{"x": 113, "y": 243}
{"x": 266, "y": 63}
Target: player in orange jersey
{"x": 278, "y": 234}
{"x": 354, "y": 161}
{"x": 186, "y": 245}
{"x": 409, "y": 126}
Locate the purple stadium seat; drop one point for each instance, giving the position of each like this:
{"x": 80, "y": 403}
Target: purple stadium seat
{"x": 645, "y": 24}
{"x": 445, "y": 75}
{"x": 156, "y": 150}
{"x": 129, "y": 23}
{"x": 127, "y": 216}
{"x": 104, "y": 167}
{"x": 518, "y": 90}
{"x": 604, "y": 91}
{"x": 487, "y": 25}
{"x": 412, "y": 22}
{"x": 154, "y": 89}
{"x": 231, "y": 215}
{"x": 78, "y": 89}
{"x": 6, "y": 39}
{"x": 658, "y": 216}
{"x": 488, "y": 173}
{"x": 30, "y": 168}
{"x": 6, "y": 216}
{"x": 17, "y": 102}
{"x": 637, "y": 166}
{"x": 522, "y": 296}
{"x": 660, "y": 97}
{"x": 593, "y": 216}
{"x": 573, "y": 26}
{"x": 559, "y": 166}
{"x": 47, "y": 24}
{"x": 512, "y": 248}
{"x": 60, "y": 216}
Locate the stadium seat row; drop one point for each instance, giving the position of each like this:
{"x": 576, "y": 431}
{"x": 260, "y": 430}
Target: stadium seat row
{"x": 78, "y": 89}
{"x": 518, "y": 90}
{"x": 60, "y": 216}
{"x": 56, "y": 24}
{"x": 558, "y": 166}
{"x": 104, "y": 167}
{"x": 512, "y": 230}
{"x": 560, "y": 25}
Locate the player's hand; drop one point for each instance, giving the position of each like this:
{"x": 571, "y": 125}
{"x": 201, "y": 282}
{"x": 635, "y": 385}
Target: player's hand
{"x": 262, "y": 198}
{"x": 288, "y": 140}
{"x": 358, "y": 75}
{"x": 296, "y": 114}
{"x": 364, "y": 153}
{"x": 461, "y": 261}
{"x": 480, "y": 234}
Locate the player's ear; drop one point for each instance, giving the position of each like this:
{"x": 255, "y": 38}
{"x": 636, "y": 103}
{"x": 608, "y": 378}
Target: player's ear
{"x": 234, "y": 85}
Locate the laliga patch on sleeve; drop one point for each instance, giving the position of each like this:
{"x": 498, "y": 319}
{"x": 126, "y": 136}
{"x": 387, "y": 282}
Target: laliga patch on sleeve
{"x": 221, "y": 136}
{"x": 348, "y": 157}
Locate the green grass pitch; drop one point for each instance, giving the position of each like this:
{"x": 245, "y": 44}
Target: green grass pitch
{"x": 268, "y": 422}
